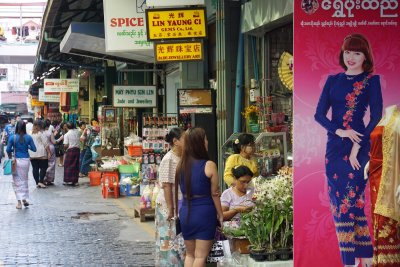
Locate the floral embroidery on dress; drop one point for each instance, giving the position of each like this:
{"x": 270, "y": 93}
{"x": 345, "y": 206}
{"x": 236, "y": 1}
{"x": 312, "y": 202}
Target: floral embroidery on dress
{"x": 351, "y": 103}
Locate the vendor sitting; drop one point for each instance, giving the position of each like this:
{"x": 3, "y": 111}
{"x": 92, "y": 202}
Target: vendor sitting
{"x": 237, "y": 198}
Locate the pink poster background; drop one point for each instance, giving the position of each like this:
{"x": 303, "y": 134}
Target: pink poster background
{"x": 317, "y": 40}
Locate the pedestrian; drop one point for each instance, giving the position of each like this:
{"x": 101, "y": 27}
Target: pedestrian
{"x": 39, "y": 158}
{"x": 197, "y": 177}
{"x": 170, "y": 249}
{"x": 21, "y": 143}
{"x": 71, "y": 162}
{"x": 82, "y": 146}
{"x": 88, "y": 137}
{"x": 51, "y": 167}
{"x": 243, "y": 148}
{"x": 9, "y": 130}
{"x": 61, "y": 129}
{"x": 349, "y": 94}
{"x": 29, "y": 126}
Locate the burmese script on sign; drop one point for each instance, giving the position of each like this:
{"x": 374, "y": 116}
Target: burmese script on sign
{"x": 134, "y": 96}
{"x": 176, "y": 24}
{"x": 61, "y": 85}
{"x": 179, "y": 52}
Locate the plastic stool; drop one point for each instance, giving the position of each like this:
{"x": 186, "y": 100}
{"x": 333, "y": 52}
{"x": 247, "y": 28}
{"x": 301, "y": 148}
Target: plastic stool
{"x": 110, "y": 184}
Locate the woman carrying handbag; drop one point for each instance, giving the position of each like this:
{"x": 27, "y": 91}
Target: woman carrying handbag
{"x": 20, "y": 143}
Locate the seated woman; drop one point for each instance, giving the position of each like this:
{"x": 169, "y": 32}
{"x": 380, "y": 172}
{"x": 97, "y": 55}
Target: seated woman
{"x": 236, "y": 200}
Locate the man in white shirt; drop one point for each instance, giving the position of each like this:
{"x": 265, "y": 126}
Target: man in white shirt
{"x": 71, "y": 157}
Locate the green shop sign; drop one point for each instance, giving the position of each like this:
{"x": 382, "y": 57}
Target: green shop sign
{"x": 128, "y": 96}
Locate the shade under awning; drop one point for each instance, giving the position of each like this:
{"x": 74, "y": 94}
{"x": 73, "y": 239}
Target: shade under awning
{"x": 87, "y": 39}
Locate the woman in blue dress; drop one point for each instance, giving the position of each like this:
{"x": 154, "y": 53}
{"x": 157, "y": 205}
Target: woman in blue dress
{"x": 197, "y": 177}
{"x": 349, "y": 94}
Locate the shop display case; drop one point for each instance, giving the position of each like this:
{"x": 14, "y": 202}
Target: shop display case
{"x": 270, "y": 151}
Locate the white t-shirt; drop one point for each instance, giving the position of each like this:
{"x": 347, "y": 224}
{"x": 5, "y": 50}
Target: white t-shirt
{"x": 29, "y": 127}
{"x": 71, "y": 138}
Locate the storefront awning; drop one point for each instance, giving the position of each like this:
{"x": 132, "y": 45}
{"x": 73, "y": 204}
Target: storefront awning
{"x": 87, "y": 39}
{"x": 260, "y": 16}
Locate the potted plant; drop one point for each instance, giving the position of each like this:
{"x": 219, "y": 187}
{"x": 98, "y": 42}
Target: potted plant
{"x": 269, "y": 225}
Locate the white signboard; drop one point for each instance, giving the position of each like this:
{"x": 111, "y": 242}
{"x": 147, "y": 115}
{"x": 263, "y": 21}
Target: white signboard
{"x": 48, "y": 97}
{"x": 158, "y": 3}
{"x": 134, "y": 96}
{"x": 125, "y": 25}
{"x": 61, "y": 85}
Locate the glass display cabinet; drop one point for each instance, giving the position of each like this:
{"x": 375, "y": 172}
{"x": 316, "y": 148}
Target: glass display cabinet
{"x": 270, "y": 151}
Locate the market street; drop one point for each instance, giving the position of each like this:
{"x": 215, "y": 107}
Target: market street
{"x": 72, "y": 226}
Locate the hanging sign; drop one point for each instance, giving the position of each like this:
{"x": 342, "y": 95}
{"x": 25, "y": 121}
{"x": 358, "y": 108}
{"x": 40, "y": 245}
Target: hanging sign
{"x": 125, "y": 26}
{"x": 176, "y": 23}
{"x": 195, "y": 97}
{"x": 36, "y": 103}
{"x": 61, "y": 85}
{"x": 188, "y": 51}
{"x": 48, "y": 97}
{"x": 159, "y": 3}
{"x": 134, "y": 96}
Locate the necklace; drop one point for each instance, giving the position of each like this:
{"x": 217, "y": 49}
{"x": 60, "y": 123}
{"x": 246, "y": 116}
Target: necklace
{"x": 351, "y": 77}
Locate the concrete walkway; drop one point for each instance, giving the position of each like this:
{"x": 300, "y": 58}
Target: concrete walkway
{"x": 72, "y": 226}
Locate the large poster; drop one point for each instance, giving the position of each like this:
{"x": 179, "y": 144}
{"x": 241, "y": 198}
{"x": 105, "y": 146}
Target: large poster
{"x": 320, "y": 30}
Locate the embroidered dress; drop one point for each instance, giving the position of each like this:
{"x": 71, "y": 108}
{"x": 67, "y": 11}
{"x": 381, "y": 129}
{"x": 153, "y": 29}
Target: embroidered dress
{"x": 170, "y": 249}
{"x": 349, "y": 100}
{"x": 383, "y": 174}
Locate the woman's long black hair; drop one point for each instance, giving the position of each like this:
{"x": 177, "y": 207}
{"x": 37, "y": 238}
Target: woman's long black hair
{"x": 20, "y": 129}
{"x": 193, "y": 149}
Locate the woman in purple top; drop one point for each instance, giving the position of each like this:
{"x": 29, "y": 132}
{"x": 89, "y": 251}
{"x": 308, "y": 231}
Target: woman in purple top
{"x": 236, "y": 199}
{"x": 349, "y": 94}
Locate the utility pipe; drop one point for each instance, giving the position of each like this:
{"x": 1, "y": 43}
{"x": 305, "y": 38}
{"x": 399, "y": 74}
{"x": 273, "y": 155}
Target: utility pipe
{"x": 70, "y": 64}
{"x": 237, "y": 119}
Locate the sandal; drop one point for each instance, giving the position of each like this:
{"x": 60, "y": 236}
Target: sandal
{"x": 26, "y": 203}
{"x": 41, "y": 185}
{"x": 19, "y": 206}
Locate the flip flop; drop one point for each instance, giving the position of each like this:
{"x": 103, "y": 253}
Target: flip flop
{"x": 26, "y": 203}
{"x": 19, "y": 206}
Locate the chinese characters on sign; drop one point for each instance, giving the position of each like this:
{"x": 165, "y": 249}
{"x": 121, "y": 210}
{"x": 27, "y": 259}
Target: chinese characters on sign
{"x": 134, "y": 96}
{"x": 61, "y": 85}
{"x": 176, "y": 24}
{"x": 178, "y": 51}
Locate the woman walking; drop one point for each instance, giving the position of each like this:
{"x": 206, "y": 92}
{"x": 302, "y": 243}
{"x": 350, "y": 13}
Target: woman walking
{"x": 170, "y": 249}
{"x": 201, "y": 209}
{"x": 21, "y": 143}
{"x": 51, "y": 165}
{"x": 349, "y": 94}
{"x": 39, "y": 158}
{"x": 71, "y": 161}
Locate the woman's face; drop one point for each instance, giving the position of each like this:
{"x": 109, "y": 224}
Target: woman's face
{"x": 242, "y": 183}
{"x": 178, "y": 143}
{"x": 248, "y": 149}
{"x": 354, "y": 61}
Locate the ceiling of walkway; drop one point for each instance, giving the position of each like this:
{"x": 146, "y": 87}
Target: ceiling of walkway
{"x": 57, "y": 17}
